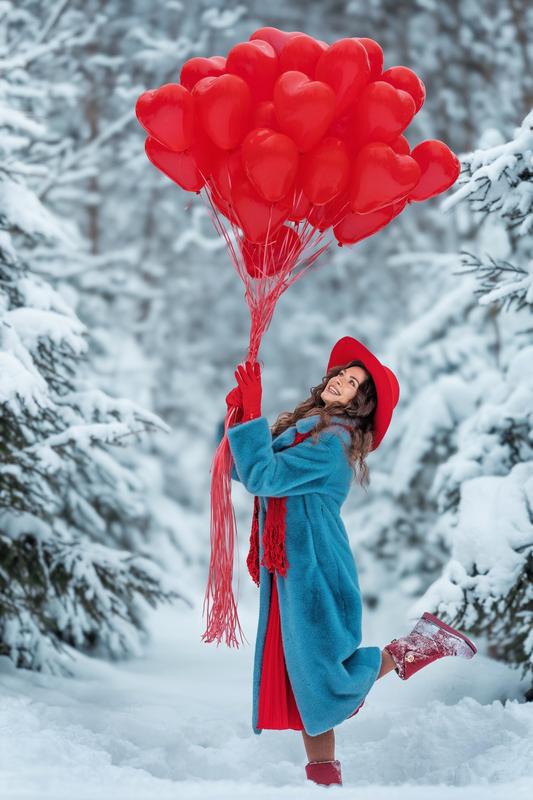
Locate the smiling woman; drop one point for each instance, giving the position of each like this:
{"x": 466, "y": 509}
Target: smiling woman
{"x": 294, "y": 486}
{"x": 310, "y": 671}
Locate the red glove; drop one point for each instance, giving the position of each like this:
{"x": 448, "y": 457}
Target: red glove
{"x": 234, "y": 400}
{"x": 249, "y": 380}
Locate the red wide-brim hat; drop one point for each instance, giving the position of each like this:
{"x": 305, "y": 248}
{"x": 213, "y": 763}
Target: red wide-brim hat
{"x": 387, "y": 387}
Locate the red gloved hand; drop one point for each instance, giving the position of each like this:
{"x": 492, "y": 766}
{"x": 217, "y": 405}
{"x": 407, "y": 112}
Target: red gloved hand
{"x": 249, "y": 380}
{"x": 234, "y": 400}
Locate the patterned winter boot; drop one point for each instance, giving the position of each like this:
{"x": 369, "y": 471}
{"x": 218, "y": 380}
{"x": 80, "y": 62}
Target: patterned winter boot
{"x": 324, "y": 773}
{"x": 430, "y": 639}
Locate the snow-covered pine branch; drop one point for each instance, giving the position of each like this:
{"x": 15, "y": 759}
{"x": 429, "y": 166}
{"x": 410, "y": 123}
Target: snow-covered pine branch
{"x": 500, "y": 281}
{"x": 498, "y": 180}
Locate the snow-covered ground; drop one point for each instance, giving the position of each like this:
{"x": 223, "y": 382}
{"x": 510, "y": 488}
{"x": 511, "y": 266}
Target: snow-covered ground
{"x": 176, "y": 723}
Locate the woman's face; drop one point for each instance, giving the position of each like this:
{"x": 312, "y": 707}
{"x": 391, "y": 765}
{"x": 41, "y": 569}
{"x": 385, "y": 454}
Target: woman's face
{"x": 342, "y": 388}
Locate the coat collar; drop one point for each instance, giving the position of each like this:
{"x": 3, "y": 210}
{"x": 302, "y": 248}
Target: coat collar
{"x": 302, "y": 426}
{"x": 306, "y": 423}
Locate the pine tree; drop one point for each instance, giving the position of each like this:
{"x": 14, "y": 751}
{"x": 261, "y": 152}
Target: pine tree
{"x": 70, "y": 512}
{"x": 484, "y": 491}
{"x": 450, "y": 516}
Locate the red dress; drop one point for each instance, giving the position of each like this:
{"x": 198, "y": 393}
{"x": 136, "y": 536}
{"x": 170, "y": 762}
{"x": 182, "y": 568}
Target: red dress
{"x": 277, "y": 705}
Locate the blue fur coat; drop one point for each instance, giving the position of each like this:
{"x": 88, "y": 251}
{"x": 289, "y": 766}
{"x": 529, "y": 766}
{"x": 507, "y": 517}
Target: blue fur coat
{"x": 319, "y": 599}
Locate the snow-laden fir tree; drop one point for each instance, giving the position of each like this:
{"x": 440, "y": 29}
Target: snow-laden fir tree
{"x": 443, "y": 360}
{"x": 70, "y": 512}
{"x": 484, "y": 491}
{"x": 450, "y": 515}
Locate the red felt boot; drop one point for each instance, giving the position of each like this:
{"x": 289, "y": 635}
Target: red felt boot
{"x": 324, "y": 773}
{"x": 430, "y": 639}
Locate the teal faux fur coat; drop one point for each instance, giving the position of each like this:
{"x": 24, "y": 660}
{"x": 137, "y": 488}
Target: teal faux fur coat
{"x": 319, "y": 598}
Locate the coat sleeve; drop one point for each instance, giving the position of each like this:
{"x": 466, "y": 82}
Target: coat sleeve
{"x": 219, "y": 435}
{"x": 297, "y": 470}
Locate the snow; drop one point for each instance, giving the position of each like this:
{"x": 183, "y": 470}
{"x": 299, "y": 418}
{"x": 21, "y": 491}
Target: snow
{"x": 175, "y": 723}
{"x": 17, "y": 379}
{"x": 440, "y": 406}
{"x": 23, "y": 210}
{"x": 32, "y": 324}
{"x": 490, "y": 540}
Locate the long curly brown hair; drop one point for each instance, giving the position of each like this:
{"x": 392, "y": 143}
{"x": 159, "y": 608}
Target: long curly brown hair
{"x": 359, "y": 414}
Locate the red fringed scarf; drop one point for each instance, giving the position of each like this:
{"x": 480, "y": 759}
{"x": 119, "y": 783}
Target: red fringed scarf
{"x": 273, "y": 531}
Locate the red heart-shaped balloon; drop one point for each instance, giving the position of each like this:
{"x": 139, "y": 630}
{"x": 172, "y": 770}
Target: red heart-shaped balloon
{"x": 401, "y": 145}
{"x": 197, "y": 68}
{"x": 270, "y": 160}
{"x": 323, "y": 217}
{"x": 345, "y": 67}
{"x": 375, "y": 56}
{"x": 226, "y": 171}
{"x": 182, "y": 168}
{"x": 355, "y": 227}
{"x": 257, "y": 219}
{"x": 343, "y": 128}
{"x": 380, "y": 177}
{"x": 300, "y": 204}
{"x": 325, "y": 171}
{"x": 273, "y": 36}
{"x": 439, "y": 169}
{"x": 301, "y": 53}
{"x": 264, "y": 116}
{"x": 268, "y": 259}
{"x": 304, "y": 108}
{"x": 167, "y": 114}
{"x": 224, "y": 106}
{"x": 383, "y": 112}
{"x": 222, "y": 205}
{"x": 407, "y": 80}
{"x": 202, "y": 148}
{"x": 256, "y": 63}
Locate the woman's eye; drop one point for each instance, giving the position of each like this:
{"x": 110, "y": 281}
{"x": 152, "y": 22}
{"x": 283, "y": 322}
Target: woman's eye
{"x": 351, "y": 379}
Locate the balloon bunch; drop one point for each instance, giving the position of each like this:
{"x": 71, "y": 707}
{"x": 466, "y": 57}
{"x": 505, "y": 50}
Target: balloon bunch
{"x": 288, "y": 137}
{"x": 289, "y": 129}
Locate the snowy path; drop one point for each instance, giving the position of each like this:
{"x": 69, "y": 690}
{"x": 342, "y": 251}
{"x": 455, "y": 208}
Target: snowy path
{"x": 175, "y": 723}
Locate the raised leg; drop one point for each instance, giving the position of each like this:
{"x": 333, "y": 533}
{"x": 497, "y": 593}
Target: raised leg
{"x": 387, "y": 663}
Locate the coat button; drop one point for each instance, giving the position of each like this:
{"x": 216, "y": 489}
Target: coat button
{"x": 409, "y": 657}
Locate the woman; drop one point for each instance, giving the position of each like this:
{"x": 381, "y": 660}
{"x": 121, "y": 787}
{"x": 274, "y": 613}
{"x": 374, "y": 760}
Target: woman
{"x": 310, "y": 672}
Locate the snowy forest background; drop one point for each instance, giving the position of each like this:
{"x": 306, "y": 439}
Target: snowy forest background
{"x": 122, "y": 320}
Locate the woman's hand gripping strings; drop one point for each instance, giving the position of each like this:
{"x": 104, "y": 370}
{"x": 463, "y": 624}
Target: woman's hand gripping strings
{"x": 249, "y": 383}
{"x": 234, "y": 403}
